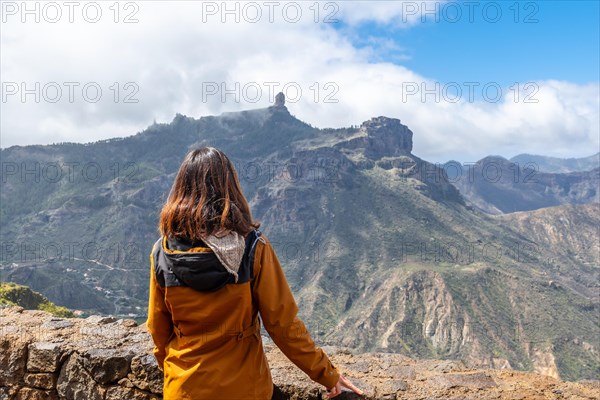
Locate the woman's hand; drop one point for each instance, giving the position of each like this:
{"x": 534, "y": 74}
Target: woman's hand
{"x": 342, "y": 382}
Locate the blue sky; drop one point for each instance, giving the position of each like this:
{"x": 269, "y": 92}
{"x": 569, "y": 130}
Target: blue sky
{"x": 563, "y": 44}
{"x": 345, "y": 73}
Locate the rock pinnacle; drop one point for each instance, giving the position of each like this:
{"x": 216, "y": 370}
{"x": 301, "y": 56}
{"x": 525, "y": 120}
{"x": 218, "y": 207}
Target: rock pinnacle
{"x": 280, "y": 100}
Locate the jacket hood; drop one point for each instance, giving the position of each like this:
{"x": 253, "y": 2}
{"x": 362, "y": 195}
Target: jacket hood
{"x": 208, "y": 265}
{"x": 229, "y": 249}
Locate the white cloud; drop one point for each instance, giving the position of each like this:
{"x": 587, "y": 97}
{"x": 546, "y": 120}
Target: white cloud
{"x": 400, "y": 14}
{"x": 173, "y": 57}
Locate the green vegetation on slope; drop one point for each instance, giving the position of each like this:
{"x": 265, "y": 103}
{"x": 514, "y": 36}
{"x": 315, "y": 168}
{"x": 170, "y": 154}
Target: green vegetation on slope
{"x": 12, "y": 294}
{"x": 380, "y": 250}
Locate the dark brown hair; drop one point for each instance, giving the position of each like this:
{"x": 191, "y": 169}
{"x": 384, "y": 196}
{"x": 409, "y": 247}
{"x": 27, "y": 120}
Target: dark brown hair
{"x": 206, "y": 197}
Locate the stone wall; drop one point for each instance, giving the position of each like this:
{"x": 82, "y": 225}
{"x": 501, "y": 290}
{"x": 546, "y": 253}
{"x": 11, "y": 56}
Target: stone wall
{"x": 101, "y": 358}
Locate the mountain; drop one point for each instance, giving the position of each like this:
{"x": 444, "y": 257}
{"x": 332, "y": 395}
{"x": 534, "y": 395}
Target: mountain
{"x": 496, "y": 185}
{"x": 12, "y": 294}
{"x": 555, "y": 164}
{"x": 569, "y": 229}
{"x": 382, "y": 252}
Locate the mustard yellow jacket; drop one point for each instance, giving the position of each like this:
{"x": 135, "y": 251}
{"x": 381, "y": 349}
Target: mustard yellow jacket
{"x": 205, "y": 325}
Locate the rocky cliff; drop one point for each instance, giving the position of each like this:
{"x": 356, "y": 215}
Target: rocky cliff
{"x": 381, "y": 137}
{"x": 101, "y": 358}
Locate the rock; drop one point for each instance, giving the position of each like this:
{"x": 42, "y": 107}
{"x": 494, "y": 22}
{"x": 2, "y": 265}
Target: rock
{"x": 126, "y": 383}
{"x": 13, "y": 309}
{"x": 381, "y": 137}
{"x": 41, "y": 381}
{"x": 369, "y": 390}
{"x": 106, "y": 331}
{"x": 99, "y": 319}
{"x": 107, "y": 365}
{"x": 327, "y": 166}
{"x": 590, "y": 383}
{"x": 128, "y": 323}
{"x": 124, "y": 393}
{"x": 140, "y": 337}
{"x": 13, "y": 357}
{"x": 280, "y": 100}
{"x": 44, "y": 357}
{"x": 145, "y": 374}
{"x": 359, "y": 367}
{"x": 476, "y": 380}
{"x": 328, "y": 348}
{"x": 386, "y": 137}
{"x": 448, "y": 366}
{"x": 104, "y": 368}
{"x": 289, "y": 391}
{"x": 392, "y": 386}
{"x": 6, "y": 393}
{"x": 36, "y": 394}
{"x": 75, "y": 383}
{"x": 400, "y": 371}
{"x": 57, "y": 323}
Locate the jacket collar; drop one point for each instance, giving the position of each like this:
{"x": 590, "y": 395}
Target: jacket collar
{"x": 207, "y": 265}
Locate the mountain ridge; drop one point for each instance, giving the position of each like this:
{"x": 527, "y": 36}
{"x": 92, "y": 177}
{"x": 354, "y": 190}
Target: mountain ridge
{"x": 556, "y": 164}
{"x": 380, "y": 248}
{"x": 496, "y": 185}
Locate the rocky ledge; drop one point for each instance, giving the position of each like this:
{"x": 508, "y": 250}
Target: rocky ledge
{"x": 101, "y": 358}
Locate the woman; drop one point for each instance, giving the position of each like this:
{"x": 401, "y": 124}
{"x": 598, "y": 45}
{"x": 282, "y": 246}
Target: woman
{"x": 212, "y": 275}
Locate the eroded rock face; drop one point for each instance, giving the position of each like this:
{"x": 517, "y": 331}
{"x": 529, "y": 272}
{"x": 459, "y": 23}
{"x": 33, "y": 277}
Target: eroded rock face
{"x": 382, "y": 137}
{"x": 280, "y": 100}
{"x": 387, "y": 143}
{"x": 387, "y": 137}
{"x": 43, "y": 357}
{"x": 73, "y": 363}
{"x": 13, "y": 359}
{"x": 74, "y": 382}
{"x": 27, "y": 393}
{"x": 41, "y": 381}
{"x": 107, "y": 365}
{"x": 145, "y": 374}
{"x": 120, "y": 393}
{"x": 441, "y": 323}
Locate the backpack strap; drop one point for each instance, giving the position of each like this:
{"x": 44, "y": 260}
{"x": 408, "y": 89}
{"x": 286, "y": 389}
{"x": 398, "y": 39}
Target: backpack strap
{"x": 246, "y": 271}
